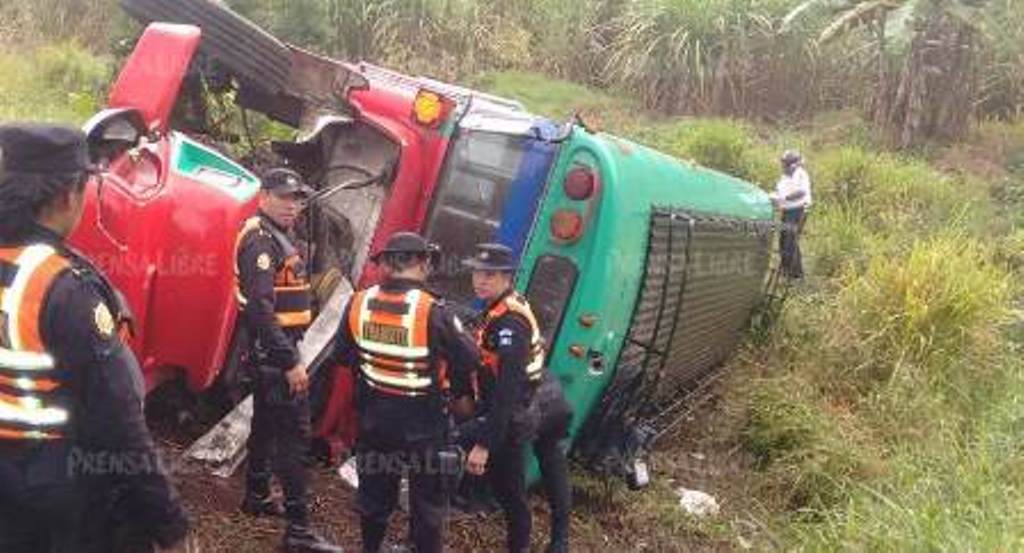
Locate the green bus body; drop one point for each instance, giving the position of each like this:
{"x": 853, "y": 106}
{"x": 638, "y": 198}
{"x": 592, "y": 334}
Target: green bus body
{"x": 611, "y": 256}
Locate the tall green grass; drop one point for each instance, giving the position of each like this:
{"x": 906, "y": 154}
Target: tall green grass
{"x": 57, "y": 83}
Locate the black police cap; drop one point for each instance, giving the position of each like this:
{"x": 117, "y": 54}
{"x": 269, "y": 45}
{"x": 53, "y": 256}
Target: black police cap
{"x": 407, "y": 242}
{"x": 43, "y": 149}
{"x": 283, "y": 182}
{"x": 492, "y": 257}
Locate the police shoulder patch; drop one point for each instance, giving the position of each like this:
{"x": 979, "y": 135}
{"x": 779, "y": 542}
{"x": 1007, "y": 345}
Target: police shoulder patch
{"x": 263, "y": 262}
{"x": 103, "y": 320}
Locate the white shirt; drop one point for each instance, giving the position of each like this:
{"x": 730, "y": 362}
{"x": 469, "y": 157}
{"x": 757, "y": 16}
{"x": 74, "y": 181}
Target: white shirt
{"x": 799, "y": 181}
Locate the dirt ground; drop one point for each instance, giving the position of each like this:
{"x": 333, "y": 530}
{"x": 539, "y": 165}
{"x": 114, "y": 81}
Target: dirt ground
{"x": 607, "y": 516}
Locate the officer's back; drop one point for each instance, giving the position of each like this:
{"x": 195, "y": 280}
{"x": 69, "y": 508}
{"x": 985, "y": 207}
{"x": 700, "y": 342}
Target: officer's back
{"x": 407, "y": 351}
{"x": 408, "y": 375}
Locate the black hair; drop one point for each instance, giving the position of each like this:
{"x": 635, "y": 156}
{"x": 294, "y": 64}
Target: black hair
{"x": 23, "y": 196}
{"x": 400, "y": 261}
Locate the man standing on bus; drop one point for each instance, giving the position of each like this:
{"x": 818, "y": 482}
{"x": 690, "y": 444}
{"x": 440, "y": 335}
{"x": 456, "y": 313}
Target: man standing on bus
{"x": 513, "y": 370}
{"x": 408, "y": 350}
{"x": 792, "y": 197}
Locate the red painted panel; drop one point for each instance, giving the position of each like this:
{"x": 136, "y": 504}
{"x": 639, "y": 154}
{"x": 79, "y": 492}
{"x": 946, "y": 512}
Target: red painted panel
{"x": 152, "y": 76}
{"x": 420, "y": 161}
{"x": 169, "y": 247}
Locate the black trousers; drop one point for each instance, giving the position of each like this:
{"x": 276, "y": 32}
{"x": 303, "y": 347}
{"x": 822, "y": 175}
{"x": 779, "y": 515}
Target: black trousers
{"x": 549, "y": 447}
{"x": 506, "y": 473}
{"x": 789, "y": 242}
{"x": 380, "y": 473}
{"x": 43, "y": 519}
{"x": 279, "y": 445}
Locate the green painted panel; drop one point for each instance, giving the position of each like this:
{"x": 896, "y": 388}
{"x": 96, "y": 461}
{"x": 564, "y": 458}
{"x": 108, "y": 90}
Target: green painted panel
{"x": 205, "y": 165}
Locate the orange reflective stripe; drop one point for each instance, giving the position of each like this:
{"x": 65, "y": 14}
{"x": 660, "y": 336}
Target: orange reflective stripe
{"x": 391, "y": 364}
{"x": 442, "y": 375}
{"x": 355, "y": 313}
{"x": 300, "y": 318}
{"x": 422, "y": 321}
{"x": 512, "y": 303}
{"x": 251, "y": 224}
{"x": 33, "y": 384}
{"x": 390, "y": 319}
{"x": 7, "y": 434}
{"x": 403, "y": 368}
{"x": 298, "y": 288}
{"x": 32, "y": 302}
{"x": 388, "y": 372}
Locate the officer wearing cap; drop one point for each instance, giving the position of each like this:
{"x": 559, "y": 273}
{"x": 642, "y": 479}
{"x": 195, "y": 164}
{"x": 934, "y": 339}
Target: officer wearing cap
{"x": 276, "y": 308}
{"x": 408, "y": 351}
{"x": 517, "y": 402}
{"x": 70, "y": 391}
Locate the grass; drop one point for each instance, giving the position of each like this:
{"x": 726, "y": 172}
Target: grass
{"x": 59, "y": 83}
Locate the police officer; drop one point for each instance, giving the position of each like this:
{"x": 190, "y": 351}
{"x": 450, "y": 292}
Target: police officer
{"x": 792, "y": 197}
{"x": 408, "y": 350}
{"x": 276, "y": 309}
{"x": 73, "y": 440}
{"x": 512, "y": 411}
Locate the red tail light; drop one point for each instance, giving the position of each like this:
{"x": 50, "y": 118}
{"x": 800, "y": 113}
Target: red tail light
{"x": 579, "y": 184}
{"x": 567, "y": 225}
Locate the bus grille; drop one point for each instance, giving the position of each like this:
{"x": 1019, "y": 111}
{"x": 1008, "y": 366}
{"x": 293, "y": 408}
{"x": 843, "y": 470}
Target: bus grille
{"x": 703, "y": 277}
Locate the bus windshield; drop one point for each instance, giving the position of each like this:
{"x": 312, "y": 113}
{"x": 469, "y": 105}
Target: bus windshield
{"x": 488, "y": 192}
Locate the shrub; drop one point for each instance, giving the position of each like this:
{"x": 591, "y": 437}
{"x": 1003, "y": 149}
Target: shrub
{"x": 807, "y": 455}
{"x": 59, "y": 83}
{"x": 921, "y": 311}
{"x": 837, "y": 238}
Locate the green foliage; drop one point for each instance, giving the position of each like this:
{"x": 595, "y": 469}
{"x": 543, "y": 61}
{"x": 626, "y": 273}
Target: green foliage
{"x": 721, "y": 144}
{"x": 556, "y": 98}
{"x": 912, "y": 316}
{"x": 838, "y": 239}
{"x": 92, "y": 23}
{"x": 807, "y": 457}
{"x": 59, "y": 83}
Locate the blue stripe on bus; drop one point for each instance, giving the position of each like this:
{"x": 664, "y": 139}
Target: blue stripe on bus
{"x": 526, "y": 190}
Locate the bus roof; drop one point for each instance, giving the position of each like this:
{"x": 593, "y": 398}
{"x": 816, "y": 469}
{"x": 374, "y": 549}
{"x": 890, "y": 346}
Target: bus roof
{"x": 410, "y": 85}
{"x": 655, "y": 178}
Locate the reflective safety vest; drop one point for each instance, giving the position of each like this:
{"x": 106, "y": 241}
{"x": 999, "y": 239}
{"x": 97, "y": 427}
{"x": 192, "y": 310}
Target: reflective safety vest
{"x": 516, "y": 304}
{"x": 293, "y": 298}
{"x": 33, "y": 394}
{"x": 392, "y": 333}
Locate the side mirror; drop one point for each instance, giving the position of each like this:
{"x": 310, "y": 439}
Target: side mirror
{"x": 112, "y": 132}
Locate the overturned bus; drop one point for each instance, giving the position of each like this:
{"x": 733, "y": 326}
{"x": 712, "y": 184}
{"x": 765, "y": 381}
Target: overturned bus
{"x": 643, "y": 269}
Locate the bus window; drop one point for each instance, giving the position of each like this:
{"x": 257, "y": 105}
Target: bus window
{"x": 484, "y": 173}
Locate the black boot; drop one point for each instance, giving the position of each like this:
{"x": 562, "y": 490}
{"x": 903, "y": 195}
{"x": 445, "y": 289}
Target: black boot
{"x": 261, "y": 506}
{"x": 558, "y": 546}
{"x": 559, "y": 535}
{"x": 257, "y": 500}
{"x": 302, "y": 539}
